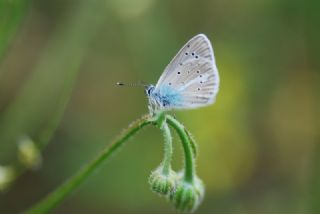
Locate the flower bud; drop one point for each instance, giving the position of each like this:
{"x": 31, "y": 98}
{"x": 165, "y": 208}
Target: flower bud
{"x": 6, "y": 177}
{"x": 28, "y": 153}
{"x": 162, "y": 183}
{"x": 187, "y": 195}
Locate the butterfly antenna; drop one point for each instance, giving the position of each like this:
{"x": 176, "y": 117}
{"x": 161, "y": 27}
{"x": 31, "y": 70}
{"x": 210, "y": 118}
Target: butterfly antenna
{"x": 132, "y": 84}
{"x": 120, "y": 84}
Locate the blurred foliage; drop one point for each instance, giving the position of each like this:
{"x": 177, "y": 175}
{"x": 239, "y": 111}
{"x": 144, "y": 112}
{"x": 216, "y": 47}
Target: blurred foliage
{"x": 11, "y": 13}
{"x": 258, "y": 145}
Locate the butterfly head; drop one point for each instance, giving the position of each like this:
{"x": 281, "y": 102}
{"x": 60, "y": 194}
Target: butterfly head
{"x": 149, "y": 89}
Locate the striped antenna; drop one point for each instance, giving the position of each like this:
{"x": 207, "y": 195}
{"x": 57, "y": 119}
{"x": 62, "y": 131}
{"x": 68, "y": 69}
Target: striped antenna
{"x": 141, "y": 84}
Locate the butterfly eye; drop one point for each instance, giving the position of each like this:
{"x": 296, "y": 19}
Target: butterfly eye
{"x": 149, "y": 91}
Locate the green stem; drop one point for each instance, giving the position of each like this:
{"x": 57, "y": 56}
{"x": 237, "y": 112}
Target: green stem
{"x": 57, "y": 69}
{"x": 58, "y": 195}
{"x": 53, "y": 124}
{"x": 192, "y": 142}
{"x": 187, "y": 147}
{"x": 167, "y": 148}
{"x": 62, "y": 103}
{"x": 12, "y": 13}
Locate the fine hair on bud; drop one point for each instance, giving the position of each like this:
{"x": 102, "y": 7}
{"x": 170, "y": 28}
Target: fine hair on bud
{"x": 187, "y": 195}
{"x": 162, "y": 183}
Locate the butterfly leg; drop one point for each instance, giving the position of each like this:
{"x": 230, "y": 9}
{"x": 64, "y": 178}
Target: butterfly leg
{"x": 174, "y": 115}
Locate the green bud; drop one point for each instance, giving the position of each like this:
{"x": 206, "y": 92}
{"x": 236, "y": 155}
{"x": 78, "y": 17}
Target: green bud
{"x": 187, "y": 195}
{"x": 162, "y": 183}
{"x": 28, "y": 153}
{"x": 7, "y": 175}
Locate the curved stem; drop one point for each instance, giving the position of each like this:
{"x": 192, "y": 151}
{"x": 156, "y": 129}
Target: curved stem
{"x": 53, "y": 124}
{"x": 12, "y": 14}
{"x": 188, "y": 151}
{"x": 192, "y": 142}
{"x": 167, "y": 148}
{"x": 55, "y": 197}
{"x": 62, "y": 103}
{"x": 57, "y": 68}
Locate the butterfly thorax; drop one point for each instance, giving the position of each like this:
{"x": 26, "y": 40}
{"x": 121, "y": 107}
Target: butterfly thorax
{"x": 162, "y": 98}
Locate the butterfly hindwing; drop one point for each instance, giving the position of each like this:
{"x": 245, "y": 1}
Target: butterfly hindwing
{"x": 193, "y": 74}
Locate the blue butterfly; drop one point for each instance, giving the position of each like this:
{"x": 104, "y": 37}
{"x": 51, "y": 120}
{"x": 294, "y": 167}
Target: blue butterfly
{"x": 191, "y": 79}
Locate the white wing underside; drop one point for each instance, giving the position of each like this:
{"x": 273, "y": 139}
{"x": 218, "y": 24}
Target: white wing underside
{"x": 193, "y": 73}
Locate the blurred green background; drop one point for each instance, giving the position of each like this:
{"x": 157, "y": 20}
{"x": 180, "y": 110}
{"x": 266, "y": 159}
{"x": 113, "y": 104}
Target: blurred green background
{"x": 259, "y": 144}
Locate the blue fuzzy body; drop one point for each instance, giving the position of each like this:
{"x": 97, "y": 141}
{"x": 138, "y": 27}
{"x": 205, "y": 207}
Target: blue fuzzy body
{"x": 164, "y": 97}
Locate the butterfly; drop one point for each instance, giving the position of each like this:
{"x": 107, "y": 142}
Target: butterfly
{"x": 189, "y": 81}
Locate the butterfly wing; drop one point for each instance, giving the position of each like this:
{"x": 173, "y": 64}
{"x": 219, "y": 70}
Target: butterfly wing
{"x": 193, "y": 74}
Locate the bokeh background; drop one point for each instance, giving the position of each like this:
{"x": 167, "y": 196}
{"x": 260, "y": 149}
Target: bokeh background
{"x": 259, "y": 144}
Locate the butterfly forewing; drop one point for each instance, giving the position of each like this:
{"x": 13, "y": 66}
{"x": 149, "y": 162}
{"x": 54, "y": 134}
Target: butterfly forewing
{"x": 192, "y": 73}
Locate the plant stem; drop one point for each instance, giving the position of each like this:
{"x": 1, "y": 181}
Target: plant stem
{"x": 167, "y": 148}
{"x": 12, "y": 14}
{"x": 55, "y": 197}
{"x": 187, "y": 147}
{"x": 46, "y": 135}
{"x": 45, "y": 94}
{"x": 62, "y": 103}
{"x": 192, "y": 142}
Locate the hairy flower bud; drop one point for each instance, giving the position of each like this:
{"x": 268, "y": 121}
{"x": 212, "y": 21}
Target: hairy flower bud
{"x": 162, "y": 183}
{"x": 187, "y": 195}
